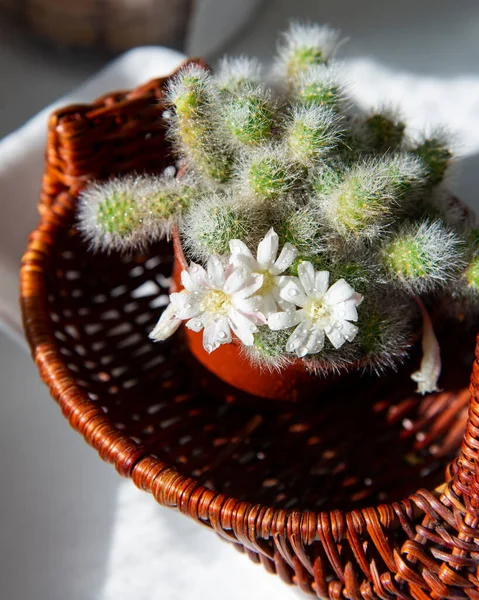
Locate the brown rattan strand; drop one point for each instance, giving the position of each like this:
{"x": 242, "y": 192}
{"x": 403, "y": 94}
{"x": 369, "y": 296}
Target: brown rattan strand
{"x": 368, "y": 492}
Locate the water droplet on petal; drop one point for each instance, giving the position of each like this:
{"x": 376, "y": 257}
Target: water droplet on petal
{"x": 338, "y": 325}
{"x": 302, "y": 351}
{"x": 194, "y": 268}
{"x": 222, "y": 335}
{"x": 169, "y": 171}
{"x": 293, "y": 292}
{"x": 188, "y": 306}
{"x": 209, "y": 348}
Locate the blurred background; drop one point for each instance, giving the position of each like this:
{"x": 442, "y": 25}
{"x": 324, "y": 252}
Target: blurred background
{"x": 69, "y": 527}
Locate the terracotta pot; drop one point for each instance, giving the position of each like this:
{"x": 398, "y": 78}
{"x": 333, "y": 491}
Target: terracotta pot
{"x": 229, "y": 363}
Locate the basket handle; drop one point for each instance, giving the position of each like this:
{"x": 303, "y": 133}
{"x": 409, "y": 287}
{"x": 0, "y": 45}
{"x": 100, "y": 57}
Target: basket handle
{"x": 466, "y": 479}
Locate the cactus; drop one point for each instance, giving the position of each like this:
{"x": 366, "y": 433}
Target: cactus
{"x": 436, "y": 156}
{"x": 300, "y": 228}
{"x": 282, "y": 183}
{"x": 326, "y": 177}
{"x": 217, "y": 219}
{"x": 194, "y": 126}
{"x": 361, "y": 207}
{"x": 268, "y": 349}
{"x": 469, "y": 279}
{"x": 127, "y": 214}
{"x": 235, "y": 74}
{"x": 472, "y": 275}
{"x": 422, "y": 256}
{"x": 320, "y": 85}
{"x": 267, "y": 172}
{"x": 385, "y": 331}
{"x": 312, "y": 133}
{"x": 384, "y": 131}
{"x": 407, "y": 174}
{"x": 248, "y": 117}
{"x": 304, "y": 46}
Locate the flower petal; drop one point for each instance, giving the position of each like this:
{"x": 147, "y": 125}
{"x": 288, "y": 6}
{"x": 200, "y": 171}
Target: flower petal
{"x": 315, "y": 342}
{"x": 216, "y": 272}
{"x": 191, "y": 284}
{"x": 321, "y": 282}
{"x": 216, "y": 332}
{"x": 306, "y": 276}
{"x": 223, "y": 331}
{"x": 285, "y": 259}
{"x": 349, "y": 330}
{"x": 338, "y": 335}
{"x": 335, "y": 337}
{"x": 357, "y": 298}
{"x": 242, "y": 327}
{"x": 251, "y": 308}
{"x": 284, "y": 320}
{"x": 239, "y": 248}
{"x": 276, "y": 293}
{"x": 198, "y": 277}
{"x": 210, "y": 339}
{"x": 238, "y": 279}
{"x": 293, "y": 292}
{"x": 345, "y": 311}
{"x": 430, "y": 368}
{"x": 254, "y": 284}
{"x": 269, "y": 305}
{"x": 268, "y": 249}
{"x": 339, "y": 292}
{"x": 195, "y": 324}
{"x": 186, "y": 305}
{"x": 166, "y": 326}
{"x": 247, "y": 262}
{"x": 298, "y": 338}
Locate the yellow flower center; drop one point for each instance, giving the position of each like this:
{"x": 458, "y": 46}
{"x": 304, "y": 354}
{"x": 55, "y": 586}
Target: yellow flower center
{"x": 268, "y": 282}
{"x": 317, "y": 310}
{"x": 215, "y": 301}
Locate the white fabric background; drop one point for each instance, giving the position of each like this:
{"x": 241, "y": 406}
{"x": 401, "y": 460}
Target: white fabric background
{"x": 120, "y": 544}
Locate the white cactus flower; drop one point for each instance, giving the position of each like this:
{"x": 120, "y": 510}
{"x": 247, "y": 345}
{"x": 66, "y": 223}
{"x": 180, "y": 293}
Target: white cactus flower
{"x": 167, "y": 325}
{"x": 430, "y": 368}
{"x": 323, "y": 311}
{"x": 269, "y": 265}
{"x": 218, "y": 301}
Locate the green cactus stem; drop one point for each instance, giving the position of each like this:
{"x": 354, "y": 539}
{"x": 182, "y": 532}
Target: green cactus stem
{"x": 422, "y": 256}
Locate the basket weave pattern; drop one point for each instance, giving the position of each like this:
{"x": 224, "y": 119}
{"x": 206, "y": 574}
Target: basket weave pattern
{"x": 326, "y": 495}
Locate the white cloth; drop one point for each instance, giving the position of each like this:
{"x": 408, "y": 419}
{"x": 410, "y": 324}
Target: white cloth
{"x": 159, "y": 553}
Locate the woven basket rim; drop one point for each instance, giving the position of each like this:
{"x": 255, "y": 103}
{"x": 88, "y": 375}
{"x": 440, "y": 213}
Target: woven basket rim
{"x": 224, "y": 513}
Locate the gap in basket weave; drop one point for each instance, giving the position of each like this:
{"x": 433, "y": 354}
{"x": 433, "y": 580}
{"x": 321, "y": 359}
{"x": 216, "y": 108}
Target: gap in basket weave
{"x": 366, "y": 441}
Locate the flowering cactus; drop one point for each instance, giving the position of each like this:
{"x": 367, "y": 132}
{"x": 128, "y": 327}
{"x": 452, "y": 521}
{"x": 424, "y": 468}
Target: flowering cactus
{"x": 315, "y": 234}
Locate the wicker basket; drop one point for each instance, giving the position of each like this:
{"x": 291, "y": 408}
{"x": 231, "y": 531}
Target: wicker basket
{"x": 115, "y": 25}
{"x": 327, "y": 495}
